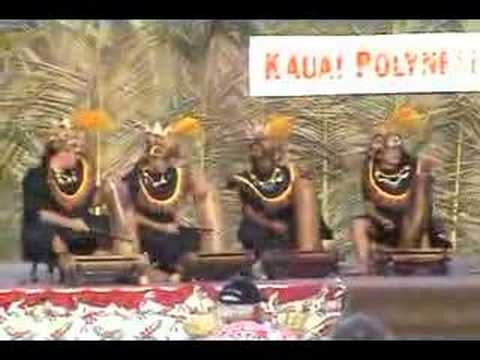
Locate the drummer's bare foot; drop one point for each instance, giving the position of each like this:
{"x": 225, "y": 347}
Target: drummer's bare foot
{"x": 34, "y": 273}
{"x": 174, "y": 278}
{"x": 361, "y": 269}
{"x": 258, "y": 271}
{"x": 158, "y": 276}
{"x": 143, "y": 280}
{"x": 100, "y": 252}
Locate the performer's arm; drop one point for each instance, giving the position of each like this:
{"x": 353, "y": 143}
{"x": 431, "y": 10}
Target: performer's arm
{"x": 377, "y": 216}
{"x": 54, "y": 218}
{"x": 257, "y": 217}
{"x": 168, "y": 227}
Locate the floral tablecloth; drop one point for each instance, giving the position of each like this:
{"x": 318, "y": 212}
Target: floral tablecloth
{"x": 186, "y": 312}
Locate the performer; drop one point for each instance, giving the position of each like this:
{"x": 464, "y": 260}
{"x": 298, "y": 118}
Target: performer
{"x": 59, "y": 198}
{"x": 278, "y": 199}
{"x": 160, "y": 185}
{"x": 397, "y": 208}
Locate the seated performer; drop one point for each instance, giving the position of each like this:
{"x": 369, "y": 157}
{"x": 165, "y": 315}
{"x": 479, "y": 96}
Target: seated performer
{"x": 278, "y": 199}
{"x": 159, "y": 186}
{"x": 57, "y": 197}
{"x": 397, "y": 208}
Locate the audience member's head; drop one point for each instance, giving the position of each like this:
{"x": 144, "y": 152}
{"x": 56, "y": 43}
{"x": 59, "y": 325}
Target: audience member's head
{"x": 240, "y": 300}
{"x": 360, "y": 327}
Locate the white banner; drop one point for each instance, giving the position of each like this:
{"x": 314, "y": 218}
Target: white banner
{"x": 376, "y": 64}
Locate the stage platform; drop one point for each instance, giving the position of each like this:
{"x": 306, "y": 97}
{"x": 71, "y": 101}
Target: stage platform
{"x": 412, "y": 307}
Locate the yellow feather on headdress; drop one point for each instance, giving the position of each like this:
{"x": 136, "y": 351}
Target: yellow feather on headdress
{"x": 278, "y": 126}
{"x": 405, "y": 120}
{"x": 186, "y": 126}
{"x": 96, "y": 120}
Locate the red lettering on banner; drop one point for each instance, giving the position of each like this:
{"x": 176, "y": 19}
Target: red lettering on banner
{"x": 382, "y": 67}
{"x": 325, "y": 66}
{"x": 339, "y": 65}
{"x": 411, "y": 60}
{"x": 363, "y": 59}
{"x": 293, "y": 67}
{"x": 313, "y": 71}
{"x": 396, "y": 69}
{"x": 430, "y": 60}
{"x": 271, "y": 66}
{"x": 443, "y": 62}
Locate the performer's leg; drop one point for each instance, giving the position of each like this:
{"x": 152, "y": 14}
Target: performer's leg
{"x": 416, "y": 219}
{"x": 254, "y": 239}
{"x": 164, "y": 251}
{"x": 103, "y": 242}
{"x": 190, "y": 241}
{"x": 360, "y": 235}
{"x": 37, "y": 239}
{"x": 59, "y": 246}
{"x": 438, "y": 234}
{"x": 34, "y": 272}
{"x": 60, "y": 251}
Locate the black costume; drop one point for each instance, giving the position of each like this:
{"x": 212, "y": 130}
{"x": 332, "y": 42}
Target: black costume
{"x": 163, "y": 248}
{"x": 266, "y": 198}
{"x": 375, "y": 183}
{"x": 37, "y": 235}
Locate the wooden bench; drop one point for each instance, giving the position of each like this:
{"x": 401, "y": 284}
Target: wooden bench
{"x": 278, "y": 264}
{"x": 427, "y": 261}
{"x": 77, "y": 268}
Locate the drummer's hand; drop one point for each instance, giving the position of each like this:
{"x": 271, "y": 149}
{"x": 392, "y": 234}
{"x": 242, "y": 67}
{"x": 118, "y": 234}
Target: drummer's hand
{"x": 388, "y": 224}
{"x": 279, "y": 227}
{"x": 172, "y": 228}
{"x": 79, "y": 225}
{"x": 426, "y": 164}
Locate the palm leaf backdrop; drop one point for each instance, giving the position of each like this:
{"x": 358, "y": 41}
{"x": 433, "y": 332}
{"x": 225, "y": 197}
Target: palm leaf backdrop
{"x": 143, "y": 71}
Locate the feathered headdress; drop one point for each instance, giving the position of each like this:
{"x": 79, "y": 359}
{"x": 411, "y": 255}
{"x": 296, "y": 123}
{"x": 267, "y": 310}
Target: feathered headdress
{"x": 187, "y": 126}
{"x": 85, "y": 120}
{"x": 62, "y": 130}
{"x": 405, "y": 121}
{"x": 276, "y": 127}
{"x": 93, "y": 120}
{"x": 165, "y": 138}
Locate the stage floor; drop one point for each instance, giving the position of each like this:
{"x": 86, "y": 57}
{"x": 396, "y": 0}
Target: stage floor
{"x": 15, "y": 275}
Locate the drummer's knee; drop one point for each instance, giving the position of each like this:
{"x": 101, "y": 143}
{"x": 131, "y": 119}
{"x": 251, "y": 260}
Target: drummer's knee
{"x": 359, "y": 227}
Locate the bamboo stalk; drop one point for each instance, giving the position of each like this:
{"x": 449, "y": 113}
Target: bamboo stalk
{"x": 99, "y": 94}
{"x": 458, "y": 160}
{"x": 325, "y": 169}
{"x": 96, "y": 90}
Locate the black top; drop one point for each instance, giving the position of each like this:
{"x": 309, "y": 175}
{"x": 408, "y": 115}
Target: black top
{"x": 249, "y": 185}
{"x": 36, "y": 234}
{"x": 133, "y": 183}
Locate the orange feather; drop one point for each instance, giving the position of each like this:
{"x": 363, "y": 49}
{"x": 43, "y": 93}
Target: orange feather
{"x": 279, "y": 126}
{"x": 405, "y": 120}
{"x": 186, "y": 126}
{"x": 96, "y": 120}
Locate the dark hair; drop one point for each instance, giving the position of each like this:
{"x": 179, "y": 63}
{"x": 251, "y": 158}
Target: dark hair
{"x": 360, "y": 327}
{"x": 240, "y": 292}
{"x": 48, "y": 151}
